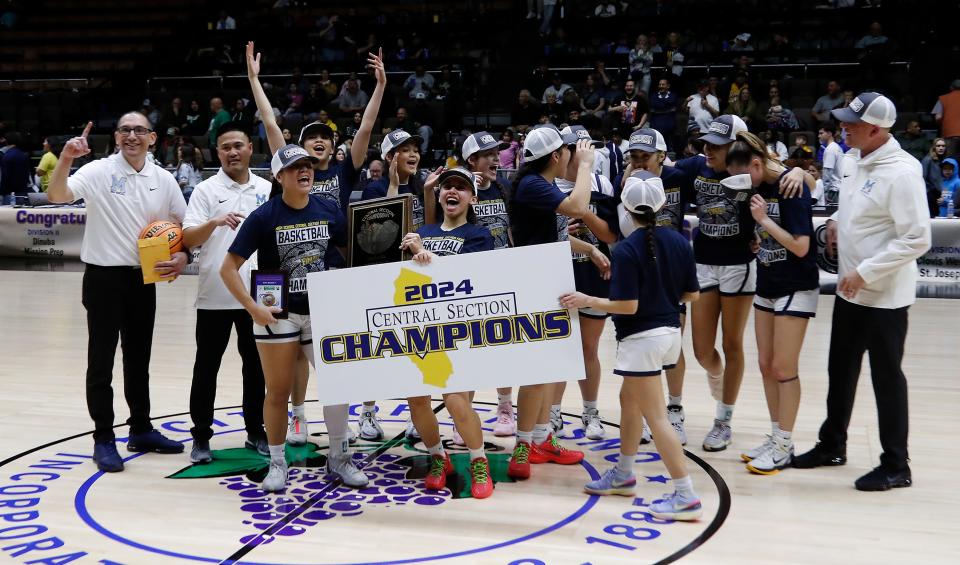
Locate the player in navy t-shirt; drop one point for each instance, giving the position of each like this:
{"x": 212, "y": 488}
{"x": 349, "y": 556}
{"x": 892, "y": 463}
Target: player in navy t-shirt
{"x": 726, "y": 270}
{"x": 590, "y": 237}
{"x": 653, "y": 272}
{"x": 295, "y": 234}
{"x": 401, "y": 153}
{"x": 457, "y": 234}
{"x": 787, "y": 292}
{"x": 533, "y": 220}
{"x": 331, "y": 180}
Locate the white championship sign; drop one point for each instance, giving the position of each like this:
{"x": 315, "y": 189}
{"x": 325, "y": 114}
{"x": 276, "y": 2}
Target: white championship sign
{"x": 466, "y": 322}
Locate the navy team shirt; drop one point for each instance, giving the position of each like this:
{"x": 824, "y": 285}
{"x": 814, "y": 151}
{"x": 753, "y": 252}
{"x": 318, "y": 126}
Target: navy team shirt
{"x": 491, "y": 211}
{"x": 657, "y": 285}
{"x": 378, "y": 189}
{"x": 337, "y": 182}
{"x": 725, "y": 227}
{"x": 533, "y": 212}
{"x": 603, "y": 203}
{"x": 468, "y": 238}
{"x": 293, "y": 241}
{"x": 780, "y": 272}
{"x": 678, "y": 194}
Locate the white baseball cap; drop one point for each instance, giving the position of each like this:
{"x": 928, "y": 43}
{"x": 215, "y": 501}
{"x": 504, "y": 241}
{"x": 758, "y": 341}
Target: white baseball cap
{"x": 639, "y": 192}
{"x": 724, "y": 129}
{"x": 287, "y": 156}
{"x": 647, "y": 140}
{"x": 480, "y": 141}
{"x": 395, "y": 139}
{"x": 540, "y": 141}
{"x": 869, "y": 107}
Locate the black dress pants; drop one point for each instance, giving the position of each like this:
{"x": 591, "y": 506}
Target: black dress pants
{"x": 880, "y": 332}
{"x": 213, "y": 335}
{"x": 119, "y": 307}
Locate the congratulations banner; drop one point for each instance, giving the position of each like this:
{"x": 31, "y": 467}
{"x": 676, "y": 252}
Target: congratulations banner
{"x": 41, "y": 232}
{"x": 465, "y": 322}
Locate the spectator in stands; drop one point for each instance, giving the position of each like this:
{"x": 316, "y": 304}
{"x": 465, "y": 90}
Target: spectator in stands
{"x": 557, "y": 88}
{"x": 780, "y": 118}
{"x": 733, "y": 91}
{"x": 741, "y": 43}
{"x": 873, "y": 38}
{"x": 51, "y": 153}
{"x": 832, "y": 99}
{"x": 776, "y": 148}
{"x": 220, "y": 117}
{"x": 242, "y": 112}
{"x": 593, "y": 101}
{"x": 832, "y": 156}
{"x": 600, "y": 72}
{"x": 526, "y": 112}
{"x": 622, "y": 45}
{"x": 703, "y": 106}
{"x": 745, "y": 107}
{"x": 225, "y": 22}
{"x": 313, "y": 101}
{"x": 176, "y": 115}
{"x": 663, "y": 111}
{"x": 549, "y": 6}
{"x": 801, "y": 149}
{"x": 330, "y": 37}
{"x": 352, "y": 99}
{"x": 772, "y": 92}
{"x": 847, "y": 98}
{"x": 947, "y": 114}
{"x": 674, "y": 59}
{"x": 553, "y": 110}
{"x": 195, "y": 120}
{"x": 630, "y": 108}
{"x": 932, "y": 176}
{"x": 327, "y": 86}
{"x": 287, "y": 135}
{"x": 400, "y": 121}
{"x": 189, "y": 169}
{"x": 152, "y": 114}
{"x": 294, "y": 99}
{"x": 816, "y": 193}
{"x": 324, "y": 118}
{"x": 913, "y": 141}
{"x": 419, "y": 84}
{"x": 640, "y": 60}
{"x": 509, "y": 151}
{"x": 14, "y": 169}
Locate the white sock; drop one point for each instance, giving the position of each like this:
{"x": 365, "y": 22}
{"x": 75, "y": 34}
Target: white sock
{"x": 625, "y": 464}
{"x": 588, "y": 404}
{"x": 555, "y": 409}
{"x": 724, "y": 412}
{"x": 437, "y": 450}
{"x": 276, "y": 454}
{"x": 774, "y": 427}
{"x": 298, "y": 411}
{"x": 540, "y": 433}
{"x": 369, "y": 410}
{"x": 684, "y": 488}
{"x": 477, "y": 454}
{"x": 505, "y": 398}
{"x": 524, "y": 436}
{"x": 674, "y": 400}
{"x": 786, "y": 436}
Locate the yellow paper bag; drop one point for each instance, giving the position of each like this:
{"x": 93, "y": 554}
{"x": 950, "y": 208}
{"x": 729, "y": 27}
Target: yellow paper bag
{"x": 152, "y": 250}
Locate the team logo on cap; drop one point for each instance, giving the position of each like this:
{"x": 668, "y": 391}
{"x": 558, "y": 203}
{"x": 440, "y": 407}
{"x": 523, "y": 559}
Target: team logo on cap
{"x": 294, "y": 151}
{"x": 642, "y": 139}
{"x": 856, "y": 104}
{"x": 399, "y": 135}
{"x": 720, "y": 127}
{"x": 583, "y": 134}
{"x": 487, "y": 139}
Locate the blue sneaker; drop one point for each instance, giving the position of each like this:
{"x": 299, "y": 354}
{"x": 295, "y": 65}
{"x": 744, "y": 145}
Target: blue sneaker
{"x": 153, "y": 441}
{"x": 613, "y": 482}
{"x": 672, "y": 508}
{"x": 106, "y": 456}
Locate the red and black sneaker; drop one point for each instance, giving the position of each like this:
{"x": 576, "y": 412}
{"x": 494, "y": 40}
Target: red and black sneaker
{"x": 550, "y": 451}
{"x": 519, "y": 467}
{"x": 481, "y": 483}
{"x": 440, "y": 467}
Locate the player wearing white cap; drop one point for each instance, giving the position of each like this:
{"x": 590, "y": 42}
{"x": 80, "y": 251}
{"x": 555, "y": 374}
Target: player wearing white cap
{"x": 458, "y": 233}
{"x": 295, "y": 234}
{"x": 534, "y": 220}
{"x": 653, "y": 272}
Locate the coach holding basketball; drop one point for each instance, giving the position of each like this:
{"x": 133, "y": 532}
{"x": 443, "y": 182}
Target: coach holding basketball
{"x": 881, "y": 227}
{"x": 123, "y": 193}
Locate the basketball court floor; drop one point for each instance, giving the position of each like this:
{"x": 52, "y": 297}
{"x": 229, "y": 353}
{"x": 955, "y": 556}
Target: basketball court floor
{"x": 55, "y": 507}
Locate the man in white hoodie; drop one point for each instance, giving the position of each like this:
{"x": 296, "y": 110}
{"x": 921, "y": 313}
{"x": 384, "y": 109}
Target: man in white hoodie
{"x": 881, "y": 227}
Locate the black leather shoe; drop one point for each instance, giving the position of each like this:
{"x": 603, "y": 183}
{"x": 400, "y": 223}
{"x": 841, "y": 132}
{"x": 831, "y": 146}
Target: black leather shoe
{"x": 153, "y": 441}
{"x": 819, "y": 456}
{"x": 883, "y": 478}
{"x": 106, "y": 456}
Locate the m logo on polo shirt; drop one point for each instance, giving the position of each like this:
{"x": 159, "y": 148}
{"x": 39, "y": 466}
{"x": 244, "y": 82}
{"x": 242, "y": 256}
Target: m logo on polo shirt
{"x": 261, "y": 199}
{"x": 487, "y": 139}
{"x": 719, "y": 127}
{"x": 856, "y": 105}
{"x": 118, "y": 185}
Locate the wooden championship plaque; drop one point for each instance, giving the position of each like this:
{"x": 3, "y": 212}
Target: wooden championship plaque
{"x": 376, "y": 228}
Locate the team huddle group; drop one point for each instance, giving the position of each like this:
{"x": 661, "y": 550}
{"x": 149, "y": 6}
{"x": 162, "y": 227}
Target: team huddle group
{"x": 754, "y": 247}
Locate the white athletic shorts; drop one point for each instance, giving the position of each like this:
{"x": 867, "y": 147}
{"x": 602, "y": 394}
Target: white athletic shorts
{"x": 295, "y": 328}
{"x": 645, "y": 354}
{"x": 732, "y": 280}
{"x": 802, "y": 304}
{"x": 593, "y": 313}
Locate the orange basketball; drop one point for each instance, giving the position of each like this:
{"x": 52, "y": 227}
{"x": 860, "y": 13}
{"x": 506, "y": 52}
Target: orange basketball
{"x": 168, "y": 230}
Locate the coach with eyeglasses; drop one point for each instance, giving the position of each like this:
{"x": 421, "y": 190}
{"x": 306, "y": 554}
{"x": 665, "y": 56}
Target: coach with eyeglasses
{"x": 123, "y": 193}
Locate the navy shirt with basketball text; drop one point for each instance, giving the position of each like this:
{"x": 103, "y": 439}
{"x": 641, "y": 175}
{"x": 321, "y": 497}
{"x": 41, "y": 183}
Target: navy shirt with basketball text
{"x": 603, "y": 204}
{"x": 491, "y": 211}
{"x": 378, "y": 189}
{"x": 468, "y": 238}
{"x": 657, "y": 284}
{"x": 725, "y": 228}
{"x": 293, "y": 241}
{"x": 337, "y": 182}
{"x": 780, "y": 272}
{"x": 678, "y": 192}
{"x": 533, "y": 212}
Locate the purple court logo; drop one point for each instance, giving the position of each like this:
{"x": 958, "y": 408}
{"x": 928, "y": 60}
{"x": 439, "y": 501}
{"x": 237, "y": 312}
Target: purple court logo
{"x": 56, "y": 507}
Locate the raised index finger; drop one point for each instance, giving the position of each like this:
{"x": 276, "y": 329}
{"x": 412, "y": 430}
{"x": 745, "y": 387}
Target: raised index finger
{"x": 86, "y": 130}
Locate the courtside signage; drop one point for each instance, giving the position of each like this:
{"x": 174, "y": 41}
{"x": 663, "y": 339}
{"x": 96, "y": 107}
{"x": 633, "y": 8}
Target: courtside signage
{"x": 465, "y": 322}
